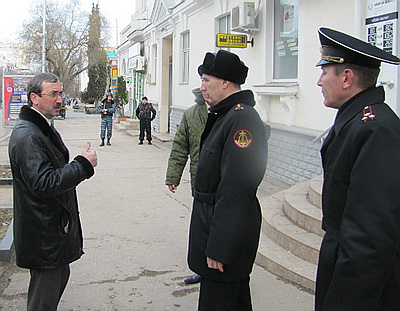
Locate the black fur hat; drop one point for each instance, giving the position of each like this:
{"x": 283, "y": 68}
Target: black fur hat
{"x": 224, "y": 65}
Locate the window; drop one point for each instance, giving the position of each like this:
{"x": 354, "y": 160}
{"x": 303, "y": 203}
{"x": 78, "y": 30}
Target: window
{"x": 154, "y": 62}
{"x": 285, "y": 39}
{"x": 185, "y": 56}
{"x": 224, "y": 24}
{"x": 124, "y": 71}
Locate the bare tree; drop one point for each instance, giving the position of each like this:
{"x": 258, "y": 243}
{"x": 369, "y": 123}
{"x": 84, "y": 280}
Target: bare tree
{"x": 67, "y": 36}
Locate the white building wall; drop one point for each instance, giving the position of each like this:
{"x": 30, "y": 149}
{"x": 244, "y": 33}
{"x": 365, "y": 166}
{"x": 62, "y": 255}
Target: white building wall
{"x": 310, "y": 112}
{"x": 201, "y": 41}
{"x": 294, "y": 108}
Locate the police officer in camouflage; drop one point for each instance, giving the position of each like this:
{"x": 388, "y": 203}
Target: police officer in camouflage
{"x": 107, "y": 109}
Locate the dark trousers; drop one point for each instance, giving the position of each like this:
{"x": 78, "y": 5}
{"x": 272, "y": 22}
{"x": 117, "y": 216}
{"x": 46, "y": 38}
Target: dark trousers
{"x": 145, "y": 126}
{"x": 225, "y": 296}
{"x": 46, "y": 288}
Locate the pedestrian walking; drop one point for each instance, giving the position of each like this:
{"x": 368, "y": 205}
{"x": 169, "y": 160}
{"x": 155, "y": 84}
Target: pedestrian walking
{"x": 107, "y": 109}
{"x": 226, "y": 216}
{"x": 146, "y": 113}
{"x": 47, "y": 228}
{"x": 359, "y": 263}
{"x": 187, "y": 144}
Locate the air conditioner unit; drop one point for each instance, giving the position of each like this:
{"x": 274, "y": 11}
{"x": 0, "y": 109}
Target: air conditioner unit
{"x": 243, "y": 17}
{"x": 140, "y": 63}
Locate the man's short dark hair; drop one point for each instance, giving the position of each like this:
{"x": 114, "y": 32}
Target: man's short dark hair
{"x": 35, "y": 84}
{"x": 366, "y": 76}
{"x": 144, "y": 98}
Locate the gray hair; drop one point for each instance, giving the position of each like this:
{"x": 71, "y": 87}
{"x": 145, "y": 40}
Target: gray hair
{"x": 35, "y": 84}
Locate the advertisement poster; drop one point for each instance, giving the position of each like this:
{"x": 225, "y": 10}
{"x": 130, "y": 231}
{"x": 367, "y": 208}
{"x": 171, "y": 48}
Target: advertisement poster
{"x": 14, "y": 97}
{"x": 382, "y": 30}
{"x": 382, "y": 23}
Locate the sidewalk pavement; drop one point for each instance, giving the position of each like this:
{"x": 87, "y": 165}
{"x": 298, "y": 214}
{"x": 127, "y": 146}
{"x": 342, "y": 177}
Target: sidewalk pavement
{"x": 135, "y": 234}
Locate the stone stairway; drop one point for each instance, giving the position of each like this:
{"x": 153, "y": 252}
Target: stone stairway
{"x": 128, "y": 124}
{"x": 291, "y": 232}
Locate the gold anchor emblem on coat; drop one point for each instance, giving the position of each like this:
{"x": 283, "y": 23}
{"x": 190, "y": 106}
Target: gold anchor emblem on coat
{"x": 242, "y": 138}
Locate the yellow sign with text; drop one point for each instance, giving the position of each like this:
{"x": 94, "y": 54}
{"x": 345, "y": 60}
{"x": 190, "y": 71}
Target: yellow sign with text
{"x": 231, "y": 41}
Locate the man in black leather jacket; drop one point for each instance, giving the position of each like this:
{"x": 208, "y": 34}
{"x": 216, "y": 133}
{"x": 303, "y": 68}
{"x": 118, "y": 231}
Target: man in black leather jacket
{"x": 146, "y": 113}
{"x": 47, "y": 228}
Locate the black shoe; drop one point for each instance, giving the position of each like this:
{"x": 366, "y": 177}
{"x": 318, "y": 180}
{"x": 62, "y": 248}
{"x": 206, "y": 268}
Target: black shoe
{"x": 108, "y": 143}
{"x": 194, "y": 279}
{"x": 140, "y": 143}
{"x": 150, "y": 143}
{"x": 102, "y": 143}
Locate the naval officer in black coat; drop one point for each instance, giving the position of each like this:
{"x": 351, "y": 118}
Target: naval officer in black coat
{"x": 226, "y": 216}
{"x": 359, "y": 264}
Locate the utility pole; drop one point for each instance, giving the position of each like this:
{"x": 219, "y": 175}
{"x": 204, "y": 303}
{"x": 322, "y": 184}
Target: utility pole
{"x": 44, "y": 37}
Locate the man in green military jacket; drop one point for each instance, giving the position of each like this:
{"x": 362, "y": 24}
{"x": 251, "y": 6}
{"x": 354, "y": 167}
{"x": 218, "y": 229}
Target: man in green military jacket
{"x": 187, "y": 142}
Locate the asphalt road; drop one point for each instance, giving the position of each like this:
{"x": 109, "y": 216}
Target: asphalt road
{"x": 135, "y": 235}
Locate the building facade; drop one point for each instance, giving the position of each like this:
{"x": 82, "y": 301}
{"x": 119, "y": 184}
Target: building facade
{"x": 166, "y": 41}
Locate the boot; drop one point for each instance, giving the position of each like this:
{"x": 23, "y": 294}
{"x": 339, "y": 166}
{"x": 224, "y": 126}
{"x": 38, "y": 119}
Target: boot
{"x": 102, "y": 142}
{"x": 141, "y": 142}
{"x": 108, "y": 142}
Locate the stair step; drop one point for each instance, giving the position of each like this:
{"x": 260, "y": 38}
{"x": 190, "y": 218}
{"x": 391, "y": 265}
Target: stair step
{"x": 128, "y": 124}
{"x": 315, "y": 193}
{"x": 283, "y": 263}
{"x": 132, "y": 122}
{"x": 299, "y": 210}
{"x": 285, "y": 233}
{"x": 120, "y": 126}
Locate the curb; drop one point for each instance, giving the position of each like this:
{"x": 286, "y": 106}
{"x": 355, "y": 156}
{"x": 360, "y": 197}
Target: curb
{"x": 6, "y": 244}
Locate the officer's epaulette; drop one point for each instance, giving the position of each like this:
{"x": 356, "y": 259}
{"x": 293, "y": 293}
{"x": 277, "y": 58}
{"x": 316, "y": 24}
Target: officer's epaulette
{"x": 367, "y": 114}
{"x": 239, "y": 107}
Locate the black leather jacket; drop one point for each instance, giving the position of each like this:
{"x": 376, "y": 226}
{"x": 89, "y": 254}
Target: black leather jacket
{"x": 47, "y": 228}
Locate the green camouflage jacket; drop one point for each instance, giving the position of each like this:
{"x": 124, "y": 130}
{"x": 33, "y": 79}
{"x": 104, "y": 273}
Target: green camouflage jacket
{"x": 186, "y": 143}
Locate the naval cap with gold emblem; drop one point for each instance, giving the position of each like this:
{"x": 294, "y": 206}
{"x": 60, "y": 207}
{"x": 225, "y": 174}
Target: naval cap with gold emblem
{"x": 339, "y": 48}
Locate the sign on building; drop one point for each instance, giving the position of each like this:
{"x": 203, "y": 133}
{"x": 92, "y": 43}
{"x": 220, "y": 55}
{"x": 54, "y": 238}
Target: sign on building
{"x": 382, "y": 30}
{"x": 231, "y": 40}
{"x": 382, "y": 20}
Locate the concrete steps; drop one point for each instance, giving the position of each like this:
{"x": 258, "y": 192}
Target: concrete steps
{"x": 291, "y": 232}
{"x": 128, "y": 124}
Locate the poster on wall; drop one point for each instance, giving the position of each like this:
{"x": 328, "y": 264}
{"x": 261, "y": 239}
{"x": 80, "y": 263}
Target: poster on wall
{"x": 288, "y": 19}
{"x": 14, "y": 97}
{"x": 382, "y": 22}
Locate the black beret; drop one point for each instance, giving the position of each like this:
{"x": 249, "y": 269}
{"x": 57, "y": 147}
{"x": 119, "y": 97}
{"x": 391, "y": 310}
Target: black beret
{"x": 224, "y": 65}
{"x": 339, "y": 48}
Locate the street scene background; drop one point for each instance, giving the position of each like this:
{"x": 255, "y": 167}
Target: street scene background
{"x": 135, "y": 234}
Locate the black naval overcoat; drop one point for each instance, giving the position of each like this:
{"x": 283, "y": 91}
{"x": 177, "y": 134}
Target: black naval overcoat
{"x": 226, "y": 215}
{"x": 359, "y": 264}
